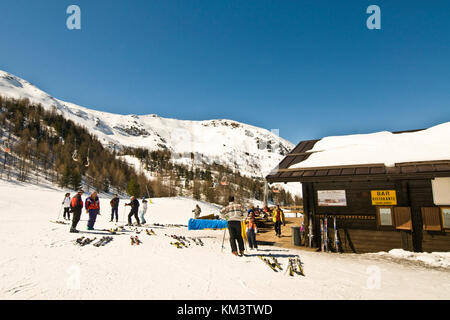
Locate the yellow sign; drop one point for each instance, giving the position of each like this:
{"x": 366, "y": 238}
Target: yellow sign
{"x": 384, "y": 197}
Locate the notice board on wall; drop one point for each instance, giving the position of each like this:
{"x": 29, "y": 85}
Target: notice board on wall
{"x": 441, "y": 191}
{"x": 331, "y": 198}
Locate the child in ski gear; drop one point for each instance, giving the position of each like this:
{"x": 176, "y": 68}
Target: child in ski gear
{"x": 252, "y": 230}
{"x": 266, "y": 212}
{"x": 144, "y": 210}
{"x": 197, "y": 211}
{"x": 92, "y": 206}
{"x": 278, "y": 218}
{"x": 257, "y": 211}
{"x": 66, "y": 204}
{"x": 115, "y": 207}
{"x": 76, "y": 205}
{"x": 234, "y": 213}
{"x": 251, "y": 211}
{"x": 134, "y": 210}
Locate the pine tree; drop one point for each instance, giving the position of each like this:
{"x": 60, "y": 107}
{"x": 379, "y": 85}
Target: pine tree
{"x": 133, "y": 188}
{"x": 75, "y": 179}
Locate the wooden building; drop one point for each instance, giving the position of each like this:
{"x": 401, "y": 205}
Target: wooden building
{"x": 376, "y": 207}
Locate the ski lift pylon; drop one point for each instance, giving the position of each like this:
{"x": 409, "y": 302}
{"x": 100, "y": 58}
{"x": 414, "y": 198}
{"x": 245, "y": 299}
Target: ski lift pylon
{"x": 224, "y": 181}
{"x": 75, "y": 155}
{"x": 87, "y": 159}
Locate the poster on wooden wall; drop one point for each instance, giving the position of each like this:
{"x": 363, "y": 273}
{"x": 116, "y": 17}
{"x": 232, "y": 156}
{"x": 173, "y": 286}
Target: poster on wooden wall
{"x": 441, "y": 191}
{"x": 385, "y": 216}
{"x": 331, "y": 198}
{"x": 384, "y": 197}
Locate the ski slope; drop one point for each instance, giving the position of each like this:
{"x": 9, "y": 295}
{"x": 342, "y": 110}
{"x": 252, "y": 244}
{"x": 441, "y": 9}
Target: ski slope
{"x": 39, "y": 260}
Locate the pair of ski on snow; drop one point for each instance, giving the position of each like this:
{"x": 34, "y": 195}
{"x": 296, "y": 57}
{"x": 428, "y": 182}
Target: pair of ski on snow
{"x": 135, "y": 240}
{"x": 294, "y": 265}
{"x": 101, "y": 242}
{"x": 274, "y": 264}
{"x": 180, "y": 242}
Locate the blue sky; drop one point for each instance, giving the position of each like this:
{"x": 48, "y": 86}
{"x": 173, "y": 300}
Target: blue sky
{"x": 307, "y": 68}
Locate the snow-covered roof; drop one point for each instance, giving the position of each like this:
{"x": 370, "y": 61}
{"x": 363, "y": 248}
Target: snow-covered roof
{"x": 386, "y": 148}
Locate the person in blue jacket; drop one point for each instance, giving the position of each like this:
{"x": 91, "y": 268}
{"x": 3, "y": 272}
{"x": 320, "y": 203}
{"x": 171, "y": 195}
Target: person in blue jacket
{"x": 92, "y": 206}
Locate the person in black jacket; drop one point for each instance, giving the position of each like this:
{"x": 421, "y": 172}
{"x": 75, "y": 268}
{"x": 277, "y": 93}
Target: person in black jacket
{"x": 76, "y": 205}
{"x": 134, "y": 210}
{"x": 115, "y": 207}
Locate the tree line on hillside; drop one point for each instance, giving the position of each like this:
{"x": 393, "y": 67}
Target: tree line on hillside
{"x": 44, "y": 142}
{"x": 39, "y": 142}
{"x": 211, "y": 182}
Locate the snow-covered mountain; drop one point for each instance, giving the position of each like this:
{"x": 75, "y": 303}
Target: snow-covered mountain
{"x": 251, "y": 150}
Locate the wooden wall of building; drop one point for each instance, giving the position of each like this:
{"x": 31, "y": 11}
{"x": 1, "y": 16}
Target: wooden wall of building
{"x": 364, "y": 233}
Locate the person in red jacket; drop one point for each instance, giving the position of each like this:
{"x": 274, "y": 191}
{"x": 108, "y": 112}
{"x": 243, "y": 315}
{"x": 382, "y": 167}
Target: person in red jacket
{"x": 76, "y": 206}
{"x": 92, "y": 206}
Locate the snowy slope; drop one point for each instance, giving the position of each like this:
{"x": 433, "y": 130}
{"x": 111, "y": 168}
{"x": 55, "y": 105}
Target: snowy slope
{"x": 39, "y": 260}
{"x": 251, "y": 150}
{"x": 381, "y": 147}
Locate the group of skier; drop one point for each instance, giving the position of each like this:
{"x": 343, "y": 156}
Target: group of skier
{"x": 75, "y": 206}
{"x": 235, "y": 214}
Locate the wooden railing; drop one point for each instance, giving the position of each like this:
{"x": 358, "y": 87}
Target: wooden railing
{"x": 293, "y": 208}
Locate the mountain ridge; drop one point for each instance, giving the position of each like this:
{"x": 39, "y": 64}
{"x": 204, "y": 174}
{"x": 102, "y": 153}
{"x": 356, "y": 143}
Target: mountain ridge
{"x": 251, "y": 150}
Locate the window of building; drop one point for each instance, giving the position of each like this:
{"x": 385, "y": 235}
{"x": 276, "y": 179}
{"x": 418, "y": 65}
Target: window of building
{"x": 431, "y": 219}
{"x": 402, "y": 218}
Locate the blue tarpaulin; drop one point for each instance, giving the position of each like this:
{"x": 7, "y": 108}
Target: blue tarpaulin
{"x": 200, "y": 224}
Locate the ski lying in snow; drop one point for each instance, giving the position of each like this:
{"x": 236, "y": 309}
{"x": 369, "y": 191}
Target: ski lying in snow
{"x": 138, "y": 242}
{"x": 180, "y": 239}
{"x": 113, "y": 230}
{"x": 266, "y": 261}
{"x": 169, "y": 225}
{"x": 177, "y": 244}
{"x": 276, "y": 263}
{"x": 103, "y": 241}
{"x": 197, "y": 241}
{"x": 135, "y": 240}
{"x": 150, "y": 232}
{"x": 299, "y": 265}
{"x": 59, "y": 222}
{"x": 295, "y": 266}
{"x": 291, "y": 267}
{"x": 84, "y": 241}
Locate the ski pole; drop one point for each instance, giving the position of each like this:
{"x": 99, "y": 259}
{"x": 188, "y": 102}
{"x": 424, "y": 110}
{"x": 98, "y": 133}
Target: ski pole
{"x": 223, "y": 240}
{"x": 336, "y": 240}
{"x": 59, "y": 214}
